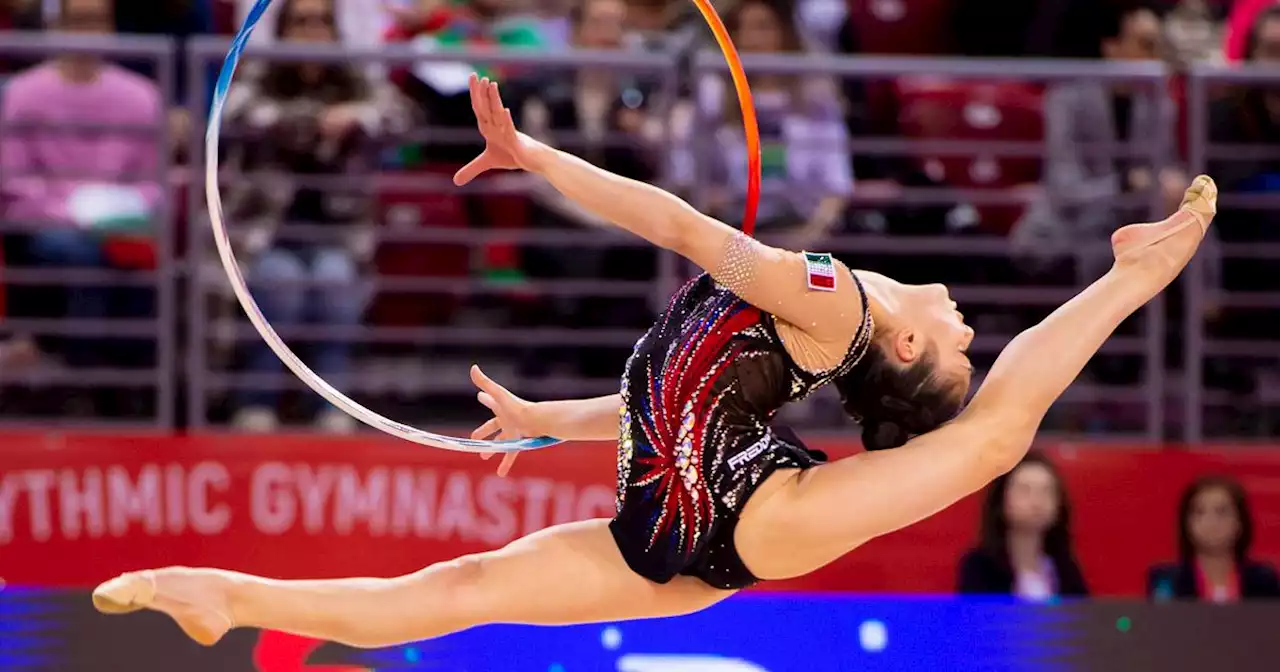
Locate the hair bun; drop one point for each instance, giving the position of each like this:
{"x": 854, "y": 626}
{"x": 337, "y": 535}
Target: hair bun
{"x": 883, "y": 435}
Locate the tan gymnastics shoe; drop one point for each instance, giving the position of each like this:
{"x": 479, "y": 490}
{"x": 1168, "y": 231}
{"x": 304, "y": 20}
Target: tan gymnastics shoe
{"x": 136, "y": 591}
{"x": 1199, "y": 205}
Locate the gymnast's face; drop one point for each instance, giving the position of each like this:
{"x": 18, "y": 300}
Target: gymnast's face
{"x": 930, "y": 323}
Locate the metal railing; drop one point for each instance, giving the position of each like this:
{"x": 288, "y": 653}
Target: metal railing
{"x": 1205, "y": 87}
{"x": 194, "y": 375}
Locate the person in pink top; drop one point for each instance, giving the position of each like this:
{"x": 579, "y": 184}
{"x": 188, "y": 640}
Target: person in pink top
{"x": 77, "y": 149}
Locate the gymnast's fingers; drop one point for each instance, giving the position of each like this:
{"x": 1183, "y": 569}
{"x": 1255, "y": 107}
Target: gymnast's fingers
{"x": 488, "y": 401}
{"x": 508, "y": 126}
{"x": 470, "y": 171}
{"x": 481, "y": 380}
{"x": 478, "y": 103}
{"x": 487, "y": 430}
{"x": 496, "y": 111}
{"x": 504, "y": 467}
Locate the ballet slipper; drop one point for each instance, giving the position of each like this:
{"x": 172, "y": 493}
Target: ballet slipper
{"x": 1136, "y": 241}
{"x": 172, "y": 592}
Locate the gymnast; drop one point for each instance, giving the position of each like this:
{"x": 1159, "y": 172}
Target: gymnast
{"x": 710, "y": 499}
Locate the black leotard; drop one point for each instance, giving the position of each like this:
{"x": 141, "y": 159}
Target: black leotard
{"x": 698, "y": 395}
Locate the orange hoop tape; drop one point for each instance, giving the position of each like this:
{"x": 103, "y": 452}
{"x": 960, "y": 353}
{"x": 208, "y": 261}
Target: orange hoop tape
{"x": 750, "y": 127}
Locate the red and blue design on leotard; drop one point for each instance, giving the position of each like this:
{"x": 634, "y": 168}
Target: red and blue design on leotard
{"x": 698, "y": 393}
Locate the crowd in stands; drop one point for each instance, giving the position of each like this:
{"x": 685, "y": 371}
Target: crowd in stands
{"x": 308, "y": 150}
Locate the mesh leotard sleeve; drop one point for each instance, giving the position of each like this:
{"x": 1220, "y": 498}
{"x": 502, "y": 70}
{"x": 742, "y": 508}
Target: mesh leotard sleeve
{"x": 816, "y": 305}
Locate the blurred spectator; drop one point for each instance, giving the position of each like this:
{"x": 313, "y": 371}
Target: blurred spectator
{"x": 819, "y": 21}
{"x": 599, "y": 114}
{"x": 652, "y": 26}
{"x": 1215, "y": 531}
{"x": 361, "y": 23}
{"x": 1086, "y": 124}
{"x": 807, "y": 178}
{"x": 607, "y": 118}
{"x": 440, "y": 88}
{"x": 302, "y": 130}
{"x": 1024, "y": 547}
{"x": 178, "y": 19}
{"x": 554, "y": 19}
{"x": 80, "y": 155}
{"x": 1194, "y": 32}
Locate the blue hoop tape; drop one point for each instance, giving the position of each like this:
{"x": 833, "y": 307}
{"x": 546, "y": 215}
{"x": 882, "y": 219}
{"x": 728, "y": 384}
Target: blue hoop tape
{"x": 301, "y": 370}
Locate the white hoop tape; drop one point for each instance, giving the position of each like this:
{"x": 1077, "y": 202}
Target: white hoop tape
{"x": 302, "y": 371}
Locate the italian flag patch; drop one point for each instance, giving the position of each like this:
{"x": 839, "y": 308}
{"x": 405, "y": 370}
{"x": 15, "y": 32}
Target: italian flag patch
{"x": 821, "y": 271}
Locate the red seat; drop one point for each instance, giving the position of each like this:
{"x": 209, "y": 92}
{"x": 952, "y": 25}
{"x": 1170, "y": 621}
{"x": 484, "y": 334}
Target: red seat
{"x": 901, "y": 26}
{"x": 976, "y": 111}
{"x": 412, "y": 208}
{"x": 130, "y": 252}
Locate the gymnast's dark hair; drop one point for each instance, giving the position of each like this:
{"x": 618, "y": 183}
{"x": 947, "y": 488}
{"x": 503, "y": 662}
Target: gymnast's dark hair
{"x": 894, "y": 403}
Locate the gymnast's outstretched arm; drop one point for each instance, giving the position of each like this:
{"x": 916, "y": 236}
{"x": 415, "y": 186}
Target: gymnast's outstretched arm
{"x": 769, "y": 278}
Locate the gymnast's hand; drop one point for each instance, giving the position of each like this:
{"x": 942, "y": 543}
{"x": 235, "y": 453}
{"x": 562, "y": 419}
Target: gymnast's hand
{"x": 511, "y": 416}
{"x": 505, "y": 147}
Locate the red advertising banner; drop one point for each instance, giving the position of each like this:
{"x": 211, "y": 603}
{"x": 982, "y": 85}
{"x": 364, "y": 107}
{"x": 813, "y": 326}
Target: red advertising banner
{"x": 77, "y": 509}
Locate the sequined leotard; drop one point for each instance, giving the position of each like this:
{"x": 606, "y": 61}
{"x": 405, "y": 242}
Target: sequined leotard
{"x": 698, "y": 393}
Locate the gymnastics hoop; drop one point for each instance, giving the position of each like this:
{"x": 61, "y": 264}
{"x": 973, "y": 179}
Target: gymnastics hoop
{"x": 301, "y": 370}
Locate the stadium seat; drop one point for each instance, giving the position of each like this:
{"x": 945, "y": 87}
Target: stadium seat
{"x": 412, "y": 208}
{"x": 939, "y": 109}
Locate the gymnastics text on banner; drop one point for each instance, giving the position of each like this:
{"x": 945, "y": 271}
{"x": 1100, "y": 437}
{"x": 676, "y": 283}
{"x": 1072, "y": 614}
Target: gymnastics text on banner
{"x": 308, "y": 507}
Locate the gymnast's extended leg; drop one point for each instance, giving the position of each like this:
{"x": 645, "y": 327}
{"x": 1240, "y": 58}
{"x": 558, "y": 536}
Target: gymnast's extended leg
{"x": 570, "y": 573}
{"x": 823, "y": 513}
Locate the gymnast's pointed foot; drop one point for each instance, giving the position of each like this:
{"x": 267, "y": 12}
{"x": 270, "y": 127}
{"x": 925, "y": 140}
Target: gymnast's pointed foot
{"x": 196, "y": 599}
{"x": 1165, "y": 247}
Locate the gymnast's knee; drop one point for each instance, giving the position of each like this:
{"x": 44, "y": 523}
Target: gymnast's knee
{"x": 459, "y": 590}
